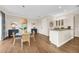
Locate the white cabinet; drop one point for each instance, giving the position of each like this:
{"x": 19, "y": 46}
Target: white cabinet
{"x": 58, "y": 38}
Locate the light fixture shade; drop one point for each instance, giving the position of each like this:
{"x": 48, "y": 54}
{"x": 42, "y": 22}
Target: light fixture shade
{"x": 13, "y": 25}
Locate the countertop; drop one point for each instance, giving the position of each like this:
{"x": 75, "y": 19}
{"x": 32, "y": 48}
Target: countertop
{"x": 59, "y": 29}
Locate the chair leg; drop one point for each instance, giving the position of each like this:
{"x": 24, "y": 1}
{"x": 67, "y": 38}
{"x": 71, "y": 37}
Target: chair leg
{"x": 34, "y": 38}
{"x": 14, "y": 42}
{"x": 13, "y": 39}
{"x": 21, "y": 44}
{"x": 29, "y": 43}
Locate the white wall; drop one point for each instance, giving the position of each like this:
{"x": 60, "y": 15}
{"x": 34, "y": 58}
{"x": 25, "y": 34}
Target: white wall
{"x": 10, "y": 19}
{"x": 68, "y": 20}
{"x": 0, "y": 27}
{"x": 77, "y": 25}
{"x": 43, "y": 25}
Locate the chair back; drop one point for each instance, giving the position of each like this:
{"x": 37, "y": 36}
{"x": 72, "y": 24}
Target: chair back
{"x": 25, "y": 36}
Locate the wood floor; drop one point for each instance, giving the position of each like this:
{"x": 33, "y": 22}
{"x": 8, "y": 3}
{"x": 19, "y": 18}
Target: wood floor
{"x": 40, "y": 45}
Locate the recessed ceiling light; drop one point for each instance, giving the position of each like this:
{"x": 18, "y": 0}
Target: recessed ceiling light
{"x": 59, "y": 7}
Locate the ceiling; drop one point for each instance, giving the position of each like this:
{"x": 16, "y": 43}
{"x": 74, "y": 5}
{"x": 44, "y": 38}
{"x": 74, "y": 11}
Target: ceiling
{"x": 35, "y": 11}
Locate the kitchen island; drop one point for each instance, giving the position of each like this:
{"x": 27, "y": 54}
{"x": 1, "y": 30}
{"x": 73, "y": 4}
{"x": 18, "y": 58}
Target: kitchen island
{"x": 60, "y": 36}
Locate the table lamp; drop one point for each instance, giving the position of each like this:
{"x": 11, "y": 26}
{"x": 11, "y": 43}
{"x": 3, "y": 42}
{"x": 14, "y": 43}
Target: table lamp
{"x": 13, "y": 25}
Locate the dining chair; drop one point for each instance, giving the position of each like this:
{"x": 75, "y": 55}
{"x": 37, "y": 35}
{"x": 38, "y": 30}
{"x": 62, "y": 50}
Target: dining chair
{"x": 25, "y": 38}
{"x": 15, "y": 37}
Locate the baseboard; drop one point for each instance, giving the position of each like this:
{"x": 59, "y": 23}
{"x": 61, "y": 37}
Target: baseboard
{"x": 10, "y": 37}
{"x": 59, "y": 45}
{"x": 43, "y": 35}
{"x": 77, "y": 36}
{"x": 6, "y": 38}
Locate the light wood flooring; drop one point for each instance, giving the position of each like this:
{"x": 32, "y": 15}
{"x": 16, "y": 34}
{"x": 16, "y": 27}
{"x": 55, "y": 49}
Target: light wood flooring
{"x": 40, "y": 45}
